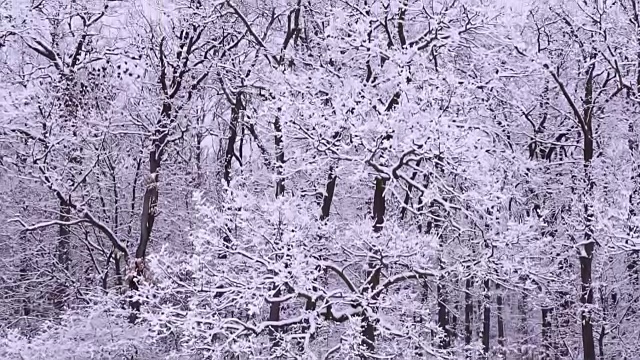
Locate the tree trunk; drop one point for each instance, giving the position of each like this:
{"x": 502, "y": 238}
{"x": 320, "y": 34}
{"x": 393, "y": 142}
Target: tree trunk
{"x": 547, "y": 344}
{"x": 274, "y": 315}
{"x": 499, "y": 310}
{"x": 118, "y": 269}
{"x": 468, "y": 311}
{"x": 587, "y": 246}
{"x": 523, "y": 327}
{"x": 327, "y": 198}
{"x": 486, "y": 319}
{"x": 374, "y": 271}
{"x": 230, "y": 154}
{"x": 453, "y": 326}
{"x": 407, "y": 196}
{"x": 443, "y": 314}
{"x": 233, "y": 134}
{"x": 277, "y": 127}
{"x": 604, "y": 301}
{"x": 150, "y": 202}
{"x": 64, "y": 234}
{"x": 368, "y": 324}
{"x": 586, "y": 254}
{"x": 274, "y": 309}
{"x": 63, "y": 254}
{"x": 586, "y": 298}
{"x": 633, "y": 262}
{"x": 379, "y": 206}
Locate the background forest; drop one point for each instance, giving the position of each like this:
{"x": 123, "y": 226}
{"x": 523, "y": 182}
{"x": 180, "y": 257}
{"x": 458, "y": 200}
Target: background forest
{"x": 327, "y": 179}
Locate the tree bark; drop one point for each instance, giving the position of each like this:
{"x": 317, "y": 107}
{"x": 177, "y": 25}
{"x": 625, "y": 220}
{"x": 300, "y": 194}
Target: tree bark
{"x": 499, "y": 302}
{"x": 368, "y": 324}
{"x": 63, "y": 254}
{"x": 277, "y": 127}
{"x": 486, "y": 319}
{"x": 274, "y": 309}
{"x": 149, "y": 204}
{"x": 586, "y": 298}
{"x": 274, "y": 315}
{"x": 379, "y": 206}
{"x": 547, "y": 344}
{"x": 586, "y": 255}
{"x": 374, "y": 271}
{"x": 407, "y": 196}
{"x": 327, "y": 198}
{"x": 586, "y": 247}
{"x": 64, "y": 234}
{"x": 443, "y": 314}
{"x": 237, "y": 107}
{"x": 468, "y": 311}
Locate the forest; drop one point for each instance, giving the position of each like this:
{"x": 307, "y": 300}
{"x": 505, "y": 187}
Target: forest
{"x": 326, "y": 179}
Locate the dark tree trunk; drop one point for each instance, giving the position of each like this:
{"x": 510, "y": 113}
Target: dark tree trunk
{"x": 198, "y": 153}
{"x": 64, "y": 235}
{"x": 327, "y": 198}
{"x": 233, "y": 134}
{"x": 486, "y": 318}
{"x": 633, "y": 257}
{"x": 454, "y": 323}
{"x": 230, "y": 154}
{"x": 468, "y": 311}
{"x": 274, "y": 309}
{"x": 499, "y": 310}
{"x": 547, "y": 343}
{"x": 407, "y": 196}
{"x": 279, "y": 157}
{"x": 116, "y": 221}
{"x": 379, "y": 206}
{"x": 586, "y": 255}
{"x": 149, "y": 202}
{"x": 523, "y": 327}
{"x": 118, "y": 269}
{"x": 633, "y": 262}
{"x": 453, "y": 326}
{"x": 150, "y": 198}
{"x": 368, "y": 324}
{"x": 63, "y": 254}
{"x": 23, "y": 277}
{"x": 274, "y": 315}
{"x": 441, "y": 291}
{"x": 604, "y": 301}
{"x": 632, "y": 267}
{"x": 586, "y": 247}
{"x": 374, "y": 271}
{"x": 586, "y": 298}
{"x": 443, "y": 314}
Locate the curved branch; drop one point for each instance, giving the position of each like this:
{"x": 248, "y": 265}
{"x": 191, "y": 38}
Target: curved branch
{"x": 340, "y": 273}
{"x": 87, "y": 217}
{"x": 415, "y": 275}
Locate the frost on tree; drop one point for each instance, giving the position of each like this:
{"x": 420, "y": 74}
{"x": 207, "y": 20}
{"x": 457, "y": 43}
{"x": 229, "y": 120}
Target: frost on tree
{"x": 319, "y": 180}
